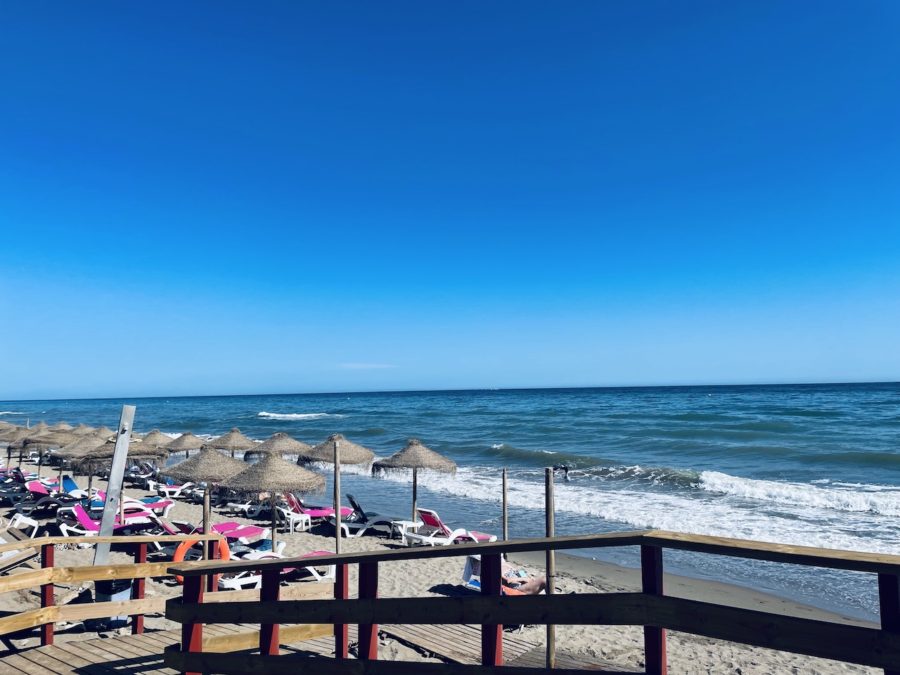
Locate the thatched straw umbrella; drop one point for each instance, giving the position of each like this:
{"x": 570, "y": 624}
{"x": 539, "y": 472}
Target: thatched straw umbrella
{"x": 210, "y": 467}
{"x": 280, "y": 444}
{"x": 233, "y": 440}
{"x": 79, "y": 450}
{"x": 156, "y": 439}
{"x": 4, "y": 425}
{"x": 337, "y": 449}
{"x": 273, "y": 474}
{"x": 47, "y": 441}
{"x": 415, "y": 456}
{"x": 186, "y": 442}
{"x": 104, "y": 432}
{"x": 13, "y": 433}
{"x": 83, "y": 430}
{"x": 39, "y": 427}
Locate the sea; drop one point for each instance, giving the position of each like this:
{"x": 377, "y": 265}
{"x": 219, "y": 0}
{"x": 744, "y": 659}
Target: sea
{"x": 817, "y": 465}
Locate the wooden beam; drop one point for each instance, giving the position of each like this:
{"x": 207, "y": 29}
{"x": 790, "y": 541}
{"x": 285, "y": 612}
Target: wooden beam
{"x": 855, "y": 644}
{"x": 654, "y": 637}
{"x": 47, "y": 555}
{"x": 102, "y": 610}
{"x": 299, "y": 591}
{"x": 251, "y": 664}
{"x": 368, "y": 632}
{"x": 25, "y": 580}
{"x": 783, "y": 553}
{"x": 288, "y": 635}
{"x": 74, "y": 575}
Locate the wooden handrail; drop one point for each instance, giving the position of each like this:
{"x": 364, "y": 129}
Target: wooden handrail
{"x": 37, "y": 542}
{"x": 772, "y": 552}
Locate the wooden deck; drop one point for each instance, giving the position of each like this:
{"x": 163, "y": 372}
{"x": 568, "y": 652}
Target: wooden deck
{"x": 143, "y": 654}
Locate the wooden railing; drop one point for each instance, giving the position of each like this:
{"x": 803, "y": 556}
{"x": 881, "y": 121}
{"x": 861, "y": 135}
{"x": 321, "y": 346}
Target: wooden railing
{"x": 651, "y": 608}
{"x": 49, "y": 574}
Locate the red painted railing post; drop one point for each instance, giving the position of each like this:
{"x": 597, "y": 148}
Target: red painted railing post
{"x": 137, "y": 588}
{"x": 341, "y": 592}
{"x": 652, "y": 584}
{"x": 47, "y": 551}
{"x": 192, "y": 632}
{"x": 368, "y": 632}
{"x": 889, "y": 606}
{"x": 269, "y": 632}
{"x": 491, "y": 634}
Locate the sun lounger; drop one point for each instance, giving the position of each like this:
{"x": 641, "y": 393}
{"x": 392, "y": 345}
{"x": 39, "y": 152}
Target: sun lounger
{"x": 85, "y": 526}
{"x": 250, "y": 579}
{"x": 172, "y": 491}
{"x": 315, "y": 513}
{"x": 434, "y": 532}
{"x": 295, "y": 522}
{"x": 359, "y": 521}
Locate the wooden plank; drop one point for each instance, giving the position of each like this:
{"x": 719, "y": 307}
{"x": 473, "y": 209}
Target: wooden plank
{"x": 37, "y": 542}
{"x": 28, "y": 620}
{"x": 86, "y": 651}
{"x": 75, "y": 575}
{"x": 252, "y": 664}
{"x": 459, "y": 643}
{"x": 102, "y": 610}
{"x": 15, "y": 664}
{"x": 422, "y": 553}
{"x": 45, "y": 661}
{"x": 25, "y": 580}
{"x": 299, "y": 591}
{"x": 581, "y": 609}
{"x": 250, "y": 640}
{"x": 856, "y": 644}
{"x": 800, "y": 555}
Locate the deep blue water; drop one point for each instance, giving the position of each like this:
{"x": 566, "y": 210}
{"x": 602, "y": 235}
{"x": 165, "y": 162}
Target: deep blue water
{"x": 806, "y": 464}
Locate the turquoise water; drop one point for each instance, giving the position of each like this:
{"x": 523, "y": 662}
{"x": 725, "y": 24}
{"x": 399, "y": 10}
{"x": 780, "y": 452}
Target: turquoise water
{"x": 815, "y": 465}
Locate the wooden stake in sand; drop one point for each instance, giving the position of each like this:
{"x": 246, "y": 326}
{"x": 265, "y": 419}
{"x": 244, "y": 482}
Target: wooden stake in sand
{"x": 551, "y": 562}
{"x": 505, "y": 507}
{"x": 337, "y": 500}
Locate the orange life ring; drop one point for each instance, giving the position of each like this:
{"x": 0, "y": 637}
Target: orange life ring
{"x": 187, "y": 545}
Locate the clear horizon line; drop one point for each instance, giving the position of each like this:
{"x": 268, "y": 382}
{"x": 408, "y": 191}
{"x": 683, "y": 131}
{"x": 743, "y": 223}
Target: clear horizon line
{"x": 462, "y": 389}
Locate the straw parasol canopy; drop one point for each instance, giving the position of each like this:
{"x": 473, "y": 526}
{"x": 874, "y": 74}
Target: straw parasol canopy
{"x": 350, "y": 452}
{"x": 6, "y": 425}
{"x": 13, "y": 434}
{"x": 40, "y": 426}
{"x": 233, "y": 440}
{"x": 185, "y": 442}
{"x": 83, "y": 430}
{"x": 281, "y": 444}
{"x": 106, "y": 451}
{"x": 273, "y": 474}
{"x": 415, "y": 456}
{"x": 156, "y": 439}
{"x": 81, "y": 447}
{"x": 50, "y": 439}
{"x": 209, "y": 466}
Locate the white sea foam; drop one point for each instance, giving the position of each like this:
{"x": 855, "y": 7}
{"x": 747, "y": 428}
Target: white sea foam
{"x": 297, "y": 416}
{"x": 696, "y": 513}
{"x": 839, "y": 497}
{"x": 10, "y": 412}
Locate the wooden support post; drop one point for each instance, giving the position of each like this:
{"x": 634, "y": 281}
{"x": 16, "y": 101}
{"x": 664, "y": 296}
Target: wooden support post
{"x": 192, "y": 633}
{"x": 212, "y": 580}
{"x": 505, "y": 518}
{"x": 269, "y": 632}
{"x": 337, "y": 499}
{"x": 137, "y": 589}
{"x": 889, "y": 607}
{"x": 415, "y": 515}
{"x": 341, "y": 592}
{"x": 652, "y": 584}
{"x": 47, "y": 551}
{"x": 368, "y": 632}
{"x": 491, "y": 634}
{"x": 550, "y": 523}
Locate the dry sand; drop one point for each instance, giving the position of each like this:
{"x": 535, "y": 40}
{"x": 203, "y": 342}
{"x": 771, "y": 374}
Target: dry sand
{"x": 622, "y": 646}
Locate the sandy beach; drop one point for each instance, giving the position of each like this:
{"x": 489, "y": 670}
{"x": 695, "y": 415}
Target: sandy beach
{"x": 618, "y": 645}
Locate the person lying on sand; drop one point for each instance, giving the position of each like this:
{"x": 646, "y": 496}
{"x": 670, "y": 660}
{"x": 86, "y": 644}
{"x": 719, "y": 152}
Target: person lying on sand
{"x": 520, "y": 580}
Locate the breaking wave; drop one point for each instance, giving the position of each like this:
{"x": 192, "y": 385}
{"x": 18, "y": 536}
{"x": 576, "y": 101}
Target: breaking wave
{"x": 297, "y": 416}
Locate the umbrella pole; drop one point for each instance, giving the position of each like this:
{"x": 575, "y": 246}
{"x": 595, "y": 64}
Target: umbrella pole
{"x": 206, "y": 521}
{"x": 337, "y": 500}
{"x": 274, "y": 519}
{"x": 415, "y": 492}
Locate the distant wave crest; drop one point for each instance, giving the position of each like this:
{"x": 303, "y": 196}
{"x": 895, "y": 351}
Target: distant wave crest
{"x": 296, "y": 416}
{"x": 10, "y": 412}
{"x": 882, "y": 500}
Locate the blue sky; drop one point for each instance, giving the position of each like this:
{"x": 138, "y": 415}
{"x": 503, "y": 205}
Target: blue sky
{"x": 202, "y": 198}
